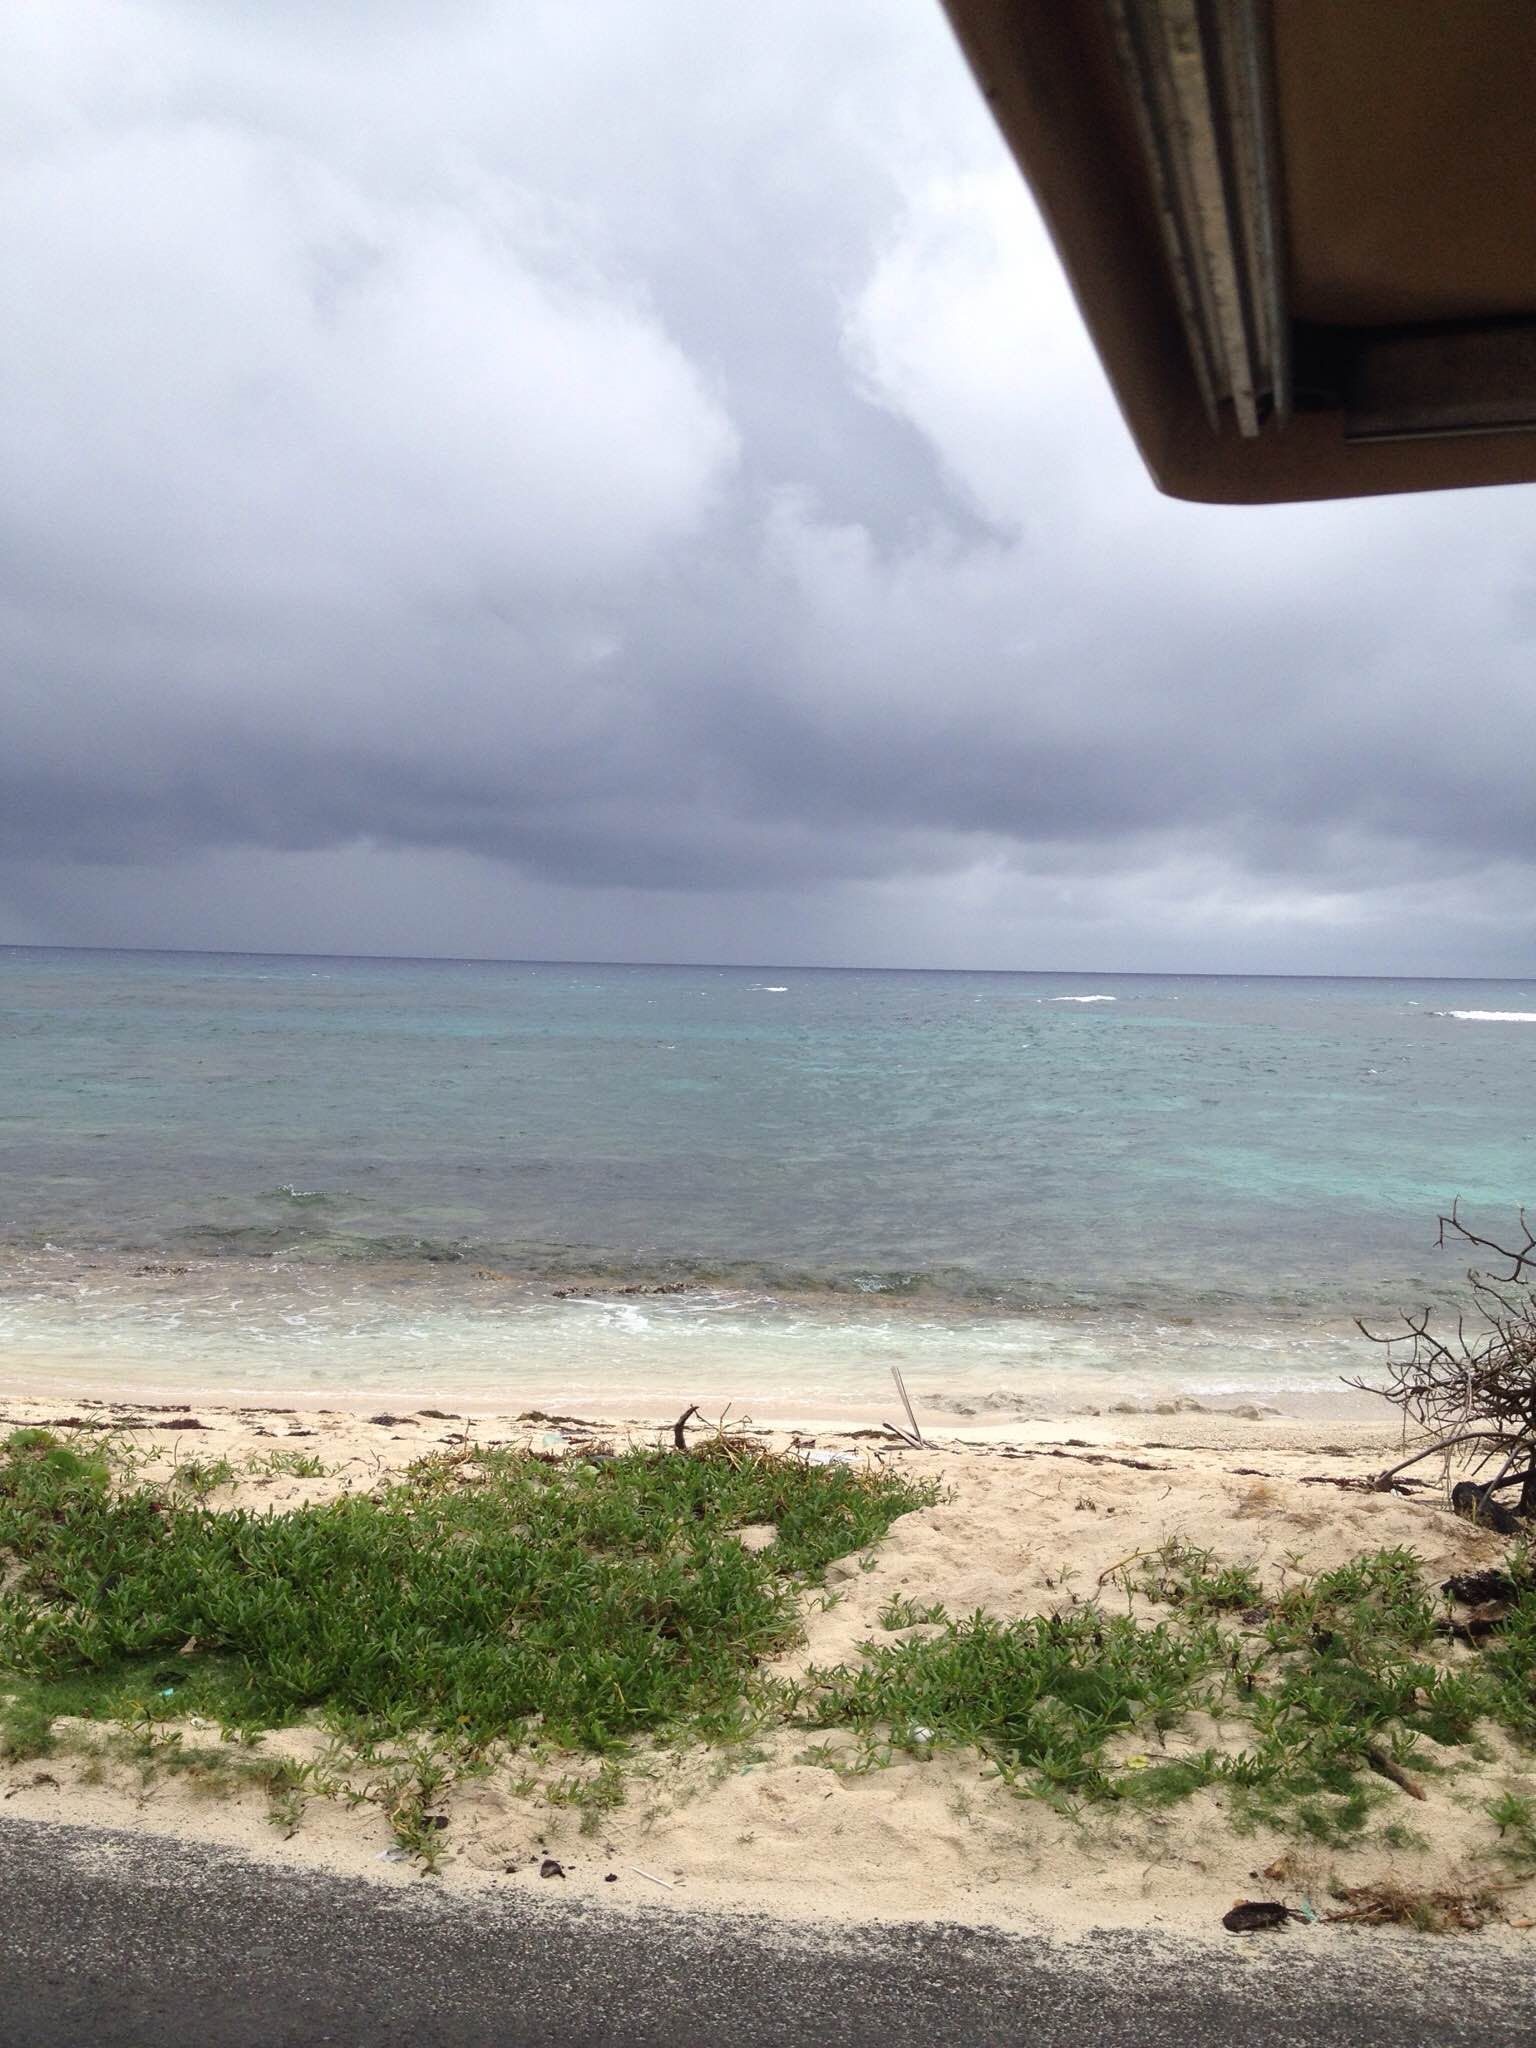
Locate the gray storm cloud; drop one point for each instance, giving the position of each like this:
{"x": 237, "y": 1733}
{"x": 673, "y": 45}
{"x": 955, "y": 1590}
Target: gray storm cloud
{"x": 632, "y": 473}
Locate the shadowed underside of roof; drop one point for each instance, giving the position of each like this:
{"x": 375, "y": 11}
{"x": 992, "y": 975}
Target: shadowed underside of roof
{"x": 1302, "y": 234}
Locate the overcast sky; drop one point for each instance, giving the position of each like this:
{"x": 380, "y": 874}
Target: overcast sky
{"x": 626, "y": 480}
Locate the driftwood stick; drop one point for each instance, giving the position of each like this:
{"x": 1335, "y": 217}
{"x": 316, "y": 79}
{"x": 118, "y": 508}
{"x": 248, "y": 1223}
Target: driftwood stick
{"x": 1386, "y": 1766}
{"x": 681, "y": 1424}
{"x": 1347, "y": 1483}
{"x": 1508, "y": 1478}
{"x": 901, "y": 1388}
{"x": 1467, "y": 1436}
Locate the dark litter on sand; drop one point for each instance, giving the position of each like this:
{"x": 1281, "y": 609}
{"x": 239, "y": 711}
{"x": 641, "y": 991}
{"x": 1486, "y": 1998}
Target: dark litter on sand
{"x": 1488, "y": 1595}
{"x": 1252, "y": 1916}
{"x": 1472, "y": 1589}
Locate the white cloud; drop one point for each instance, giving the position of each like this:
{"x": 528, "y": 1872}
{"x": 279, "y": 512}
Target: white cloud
{"x": 966, "y": 327}
{"x": 233, "y": 373}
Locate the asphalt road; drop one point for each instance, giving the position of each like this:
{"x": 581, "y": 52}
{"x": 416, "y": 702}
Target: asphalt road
{"x": 112, "y": 1939}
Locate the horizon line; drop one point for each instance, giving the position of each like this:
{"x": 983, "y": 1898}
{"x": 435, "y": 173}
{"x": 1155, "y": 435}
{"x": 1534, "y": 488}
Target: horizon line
{"x": 742, "y": 966}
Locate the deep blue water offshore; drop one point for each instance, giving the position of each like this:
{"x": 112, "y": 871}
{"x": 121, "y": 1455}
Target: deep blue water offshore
{"x": 259, "y": 1171}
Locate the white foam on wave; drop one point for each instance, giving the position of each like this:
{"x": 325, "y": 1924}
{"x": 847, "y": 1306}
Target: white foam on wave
{"x": 630, "y": 1320}
{"x": 1079, "y": 999}
{"x": 1491, "y": 1016}
{"x": 770, "y": 988}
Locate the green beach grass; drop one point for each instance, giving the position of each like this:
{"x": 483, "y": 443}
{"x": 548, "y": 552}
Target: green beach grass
{"x": 483, "y": 1595}
{"x": 491, "y": 1601}
{"x": 1335, "y": 1680}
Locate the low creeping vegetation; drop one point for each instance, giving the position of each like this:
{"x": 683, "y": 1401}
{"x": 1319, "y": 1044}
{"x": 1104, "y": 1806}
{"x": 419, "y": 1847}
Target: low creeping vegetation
{"x": 1040, "y": 1696}
{"x": 282, "y": 1464}
{"x": 492, "y": 1601}
{"x": 487, "y": 1600}
{"x": 1334, "y": 1681}
{"x": 482, "y": 1595}
{"x": 199, "y": 1478}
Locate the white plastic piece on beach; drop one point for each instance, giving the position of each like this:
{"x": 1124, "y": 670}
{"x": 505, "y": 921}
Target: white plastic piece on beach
{"x": 922, "y": 1735}
{"x": 830, "y": 1457}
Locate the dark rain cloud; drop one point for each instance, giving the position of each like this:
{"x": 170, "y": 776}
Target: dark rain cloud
{"x": 636, "y": 468}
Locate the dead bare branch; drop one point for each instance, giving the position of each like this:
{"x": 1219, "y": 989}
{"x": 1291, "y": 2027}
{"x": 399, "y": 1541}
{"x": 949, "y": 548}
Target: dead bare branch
{"x": 1476, "y": 1386}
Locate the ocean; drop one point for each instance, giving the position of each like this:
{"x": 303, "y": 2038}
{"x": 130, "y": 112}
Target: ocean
{"x": 763, "y": 1185}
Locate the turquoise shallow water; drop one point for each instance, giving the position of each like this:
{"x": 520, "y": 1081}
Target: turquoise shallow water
{"x": 356, "y": 1172}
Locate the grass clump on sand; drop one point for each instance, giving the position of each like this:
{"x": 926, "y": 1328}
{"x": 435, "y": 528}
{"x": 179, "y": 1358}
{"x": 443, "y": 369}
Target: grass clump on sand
{"x": 1041, "y": 1695}
{"x": 1334, "y": 1680}
{"x": 484, "y": 1595}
